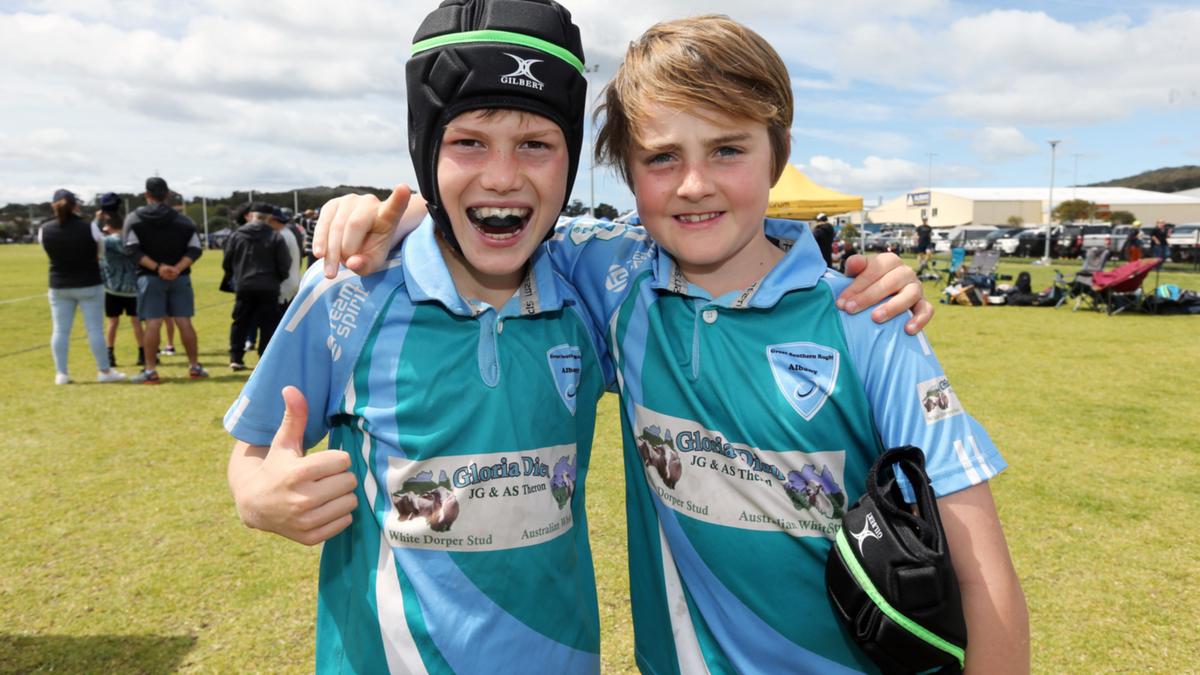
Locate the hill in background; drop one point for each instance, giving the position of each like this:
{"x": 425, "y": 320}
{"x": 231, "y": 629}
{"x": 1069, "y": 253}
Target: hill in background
{"x": 1170, "y": 179}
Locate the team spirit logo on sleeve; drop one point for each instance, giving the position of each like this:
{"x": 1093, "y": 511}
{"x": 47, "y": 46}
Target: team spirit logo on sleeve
{"x": 343, "y": 316}
{"x": 566, "y": 366}
{"x": 938, "y": 399}
{"x": 700, "y": 474}
{"x": 806, "y": 374}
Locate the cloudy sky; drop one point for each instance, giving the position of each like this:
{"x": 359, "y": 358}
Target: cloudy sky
{"x": 217, "y": 95}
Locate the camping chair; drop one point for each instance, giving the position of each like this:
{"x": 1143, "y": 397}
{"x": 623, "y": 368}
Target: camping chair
{"x": 981, "y": 273}
{"x": 1094, "y": 261}
{"x": 1120, "y": 288}
{"x": 957, "y": 256}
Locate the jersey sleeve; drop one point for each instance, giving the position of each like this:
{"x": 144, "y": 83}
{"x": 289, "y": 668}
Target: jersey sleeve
{"x": 913, "y": 403}
{"x": 298, "y": 355}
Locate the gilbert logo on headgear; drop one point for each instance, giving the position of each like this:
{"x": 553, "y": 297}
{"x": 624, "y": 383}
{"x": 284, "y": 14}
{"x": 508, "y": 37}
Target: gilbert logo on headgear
{"x": 523, "y": 76}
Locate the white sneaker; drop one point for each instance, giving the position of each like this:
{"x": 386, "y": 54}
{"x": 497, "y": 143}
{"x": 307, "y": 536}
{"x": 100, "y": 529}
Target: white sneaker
{"x": 62, "y": 378}
{"x": 110, "y": 375}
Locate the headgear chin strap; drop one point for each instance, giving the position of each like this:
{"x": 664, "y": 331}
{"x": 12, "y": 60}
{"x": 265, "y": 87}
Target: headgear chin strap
{"x": 472, "y": 54}
{"x": 889, "y": 575}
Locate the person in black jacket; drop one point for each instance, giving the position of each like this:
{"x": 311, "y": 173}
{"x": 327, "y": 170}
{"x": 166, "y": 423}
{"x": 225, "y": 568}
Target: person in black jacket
{"x": 74, "y": 248}
{"x": 257, "y": 261}
{"x": 164, "y": 244}
{"x": 823, "y": 233}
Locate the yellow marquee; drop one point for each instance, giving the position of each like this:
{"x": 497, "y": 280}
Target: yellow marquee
{"x": 795, "y": 196}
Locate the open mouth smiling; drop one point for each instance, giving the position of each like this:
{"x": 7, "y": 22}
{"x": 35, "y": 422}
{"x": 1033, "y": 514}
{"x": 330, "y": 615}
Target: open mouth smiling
{"x": 695, "y": 218}
{"x": 499, "y": 223}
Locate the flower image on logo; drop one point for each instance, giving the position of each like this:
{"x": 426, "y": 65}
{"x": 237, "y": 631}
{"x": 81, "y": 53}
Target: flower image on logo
{"x": 816, "y": 492}
{"x": 658, "y": 450}
{"x": 562, "y": 483}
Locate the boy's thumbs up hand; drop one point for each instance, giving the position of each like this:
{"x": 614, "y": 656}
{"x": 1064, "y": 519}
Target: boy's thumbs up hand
{"x": 306, "y": 498}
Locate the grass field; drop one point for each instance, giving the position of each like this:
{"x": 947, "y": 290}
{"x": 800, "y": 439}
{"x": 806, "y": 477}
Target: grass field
{"x": 120, "y": 550}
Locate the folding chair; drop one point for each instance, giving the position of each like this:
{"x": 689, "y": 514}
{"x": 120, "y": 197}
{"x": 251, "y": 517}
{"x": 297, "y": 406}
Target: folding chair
{"x": 957, "y": 256}
{"x": 1094, "y": 261}
{"x": 982, "y": 270}
{"x": 1120, "y": 288}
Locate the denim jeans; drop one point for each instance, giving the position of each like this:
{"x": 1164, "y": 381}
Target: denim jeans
{"x": 90, "y": 300}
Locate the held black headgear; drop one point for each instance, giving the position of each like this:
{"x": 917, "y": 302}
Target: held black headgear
{"x": 472, "y": 54}
{"x": 889, "y": 575}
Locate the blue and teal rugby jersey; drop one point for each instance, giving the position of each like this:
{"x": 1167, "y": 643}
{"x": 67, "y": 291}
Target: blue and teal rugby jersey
{"x": 750, "y": 421}
{"x": 469, "y": 430}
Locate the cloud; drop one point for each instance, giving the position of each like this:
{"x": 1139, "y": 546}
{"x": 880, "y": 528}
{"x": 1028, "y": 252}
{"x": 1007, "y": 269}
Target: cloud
{"x": 877, "y": 141}
{"x": 1000, "y": 144}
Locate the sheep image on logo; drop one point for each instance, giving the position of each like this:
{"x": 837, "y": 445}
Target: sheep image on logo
{"x": 816, "y": 492}
{"x": 421, "y": 497}
{"x": 935, "y": 397}
{"x": 562, "y": 483}
{"x": 658, "y": 450}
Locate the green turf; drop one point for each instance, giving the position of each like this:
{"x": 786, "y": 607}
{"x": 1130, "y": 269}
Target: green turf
{"x": 122, "y": 553}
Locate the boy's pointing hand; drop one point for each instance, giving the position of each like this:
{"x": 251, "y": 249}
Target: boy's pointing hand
{"x": 359, "y": 230}
{"x": 306, "y": 498}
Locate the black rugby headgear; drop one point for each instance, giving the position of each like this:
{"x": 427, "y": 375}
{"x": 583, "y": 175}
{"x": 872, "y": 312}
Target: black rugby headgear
{"x": 472, "y": 54}
{"x": 889, "y": 575}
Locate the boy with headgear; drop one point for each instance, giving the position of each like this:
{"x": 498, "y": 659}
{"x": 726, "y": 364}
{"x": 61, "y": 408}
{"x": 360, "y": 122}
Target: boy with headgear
{"x": 459, "y": 394}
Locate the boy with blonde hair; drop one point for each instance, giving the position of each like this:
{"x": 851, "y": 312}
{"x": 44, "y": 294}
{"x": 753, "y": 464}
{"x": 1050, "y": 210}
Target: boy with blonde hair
{"x": 738, "y": 371}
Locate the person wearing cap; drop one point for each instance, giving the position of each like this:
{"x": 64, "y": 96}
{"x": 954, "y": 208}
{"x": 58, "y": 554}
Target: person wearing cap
{"x": 280, "y": 220}
{"x": 256, "y": 262}
{"x": 120, "y": 278}
{"x": 1132, "y": 249}
{"x": 823, "y": 233}
{"x": 1159, "y": 246}
{"x": 74, "y": 247}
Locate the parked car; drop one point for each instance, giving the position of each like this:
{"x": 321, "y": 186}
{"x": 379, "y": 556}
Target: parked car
{"x": 1119, "y": 234}
{"x": 1007, "y": 242}
{"x": 1069, "y": 241}
{"x": 941, "y": 241}
{"x": 1032, "y": 243}
{"x": 971, "y": 237}
{"x": 1184, "y": 242}
{"x": 1098, "y": 236}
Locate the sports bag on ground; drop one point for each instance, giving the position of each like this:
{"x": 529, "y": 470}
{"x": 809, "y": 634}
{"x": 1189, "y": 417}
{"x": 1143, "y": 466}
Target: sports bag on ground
{"x": 889, "y": 575}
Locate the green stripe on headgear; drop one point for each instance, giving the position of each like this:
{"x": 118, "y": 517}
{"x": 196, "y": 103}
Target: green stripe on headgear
{"x": 500, "y": 36}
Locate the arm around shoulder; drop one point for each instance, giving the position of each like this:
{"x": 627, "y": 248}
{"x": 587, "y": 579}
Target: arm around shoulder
{"x": 993, "y": 602}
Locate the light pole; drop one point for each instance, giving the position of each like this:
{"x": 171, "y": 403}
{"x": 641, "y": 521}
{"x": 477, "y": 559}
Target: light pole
{"x": 592, "y": 69}
{"x": 1050, "y": 204}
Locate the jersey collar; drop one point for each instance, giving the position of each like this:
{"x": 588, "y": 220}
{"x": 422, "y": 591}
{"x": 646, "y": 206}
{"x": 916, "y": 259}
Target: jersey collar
{"x": 801, "y": 267}
{"x": 427, "y": 279}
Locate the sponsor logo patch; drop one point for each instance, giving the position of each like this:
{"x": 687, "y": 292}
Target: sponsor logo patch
{"x": 938, "y": 399}
{"x": 566, "y": 363}
{"x": 806, "y": 374}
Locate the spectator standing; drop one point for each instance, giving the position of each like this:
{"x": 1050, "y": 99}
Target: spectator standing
{"x": 74, "y": 246}
{"x": 1132, "y": 249}
{"x": 120, "y": 278}
{"x": 294, "y": 240}
{"x": 1158, "y": 241}
{"x": 924, "y": 243}
{"x": 823, "y": 233}
{"x": 257, "y": 261}
{"x": 164, "y": 244}
{"x": 308, "y": 220}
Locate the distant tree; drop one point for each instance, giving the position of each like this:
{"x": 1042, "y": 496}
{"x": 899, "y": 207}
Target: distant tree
{"x": 1075, "y": 209}
{"x": 1121, "y": 218}
{"x": 574, "y": 208}
{"x": 606, "y": 211}
{"x": 219, "y": 223}
{"x": 1016, "y": 221}
{"x": 222, "y": 211}
{"x": 849, "y": 232}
